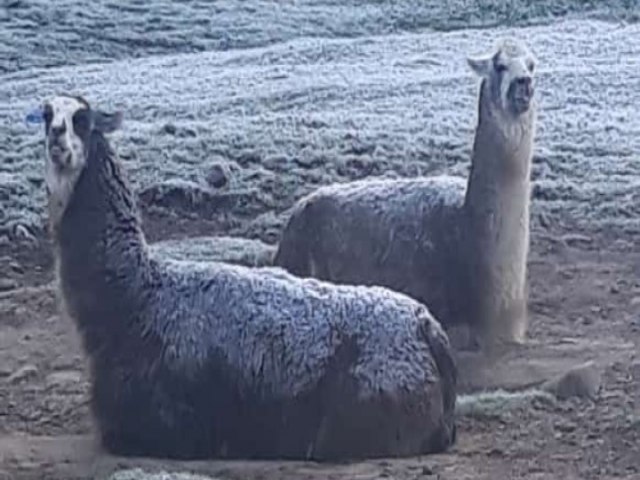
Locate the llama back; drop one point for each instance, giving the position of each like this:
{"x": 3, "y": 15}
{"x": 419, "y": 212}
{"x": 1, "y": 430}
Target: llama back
{"x": 379, "y": 232}
{"x": 251, "y": 313}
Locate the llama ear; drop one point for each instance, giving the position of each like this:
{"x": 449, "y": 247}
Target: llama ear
{"x": 107, "y": 122}
{"x": 481, "y": 65}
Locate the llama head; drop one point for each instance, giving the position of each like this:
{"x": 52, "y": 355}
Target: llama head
{"x": 69, "y": 123}
{"x": 508, "y": 76}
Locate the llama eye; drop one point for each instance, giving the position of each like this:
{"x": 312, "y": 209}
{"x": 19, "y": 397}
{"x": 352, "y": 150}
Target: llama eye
{"x": 500, "y": 68}
{"x": 47, "y": 115}
{"x": 531, "y": 66}
{"x": 81, "y": 122}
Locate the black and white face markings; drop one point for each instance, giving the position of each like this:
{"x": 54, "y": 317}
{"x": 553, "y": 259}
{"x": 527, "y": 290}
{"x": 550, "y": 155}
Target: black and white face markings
{"x": 509, "y": 69}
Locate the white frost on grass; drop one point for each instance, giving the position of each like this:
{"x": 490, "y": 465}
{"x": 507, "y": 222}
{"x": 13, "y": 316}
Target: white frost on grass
{"x": 311, "y": 111}
{"x": 241, "y": 251}
{"x": 64, "y": 32}
{"x": 498, "y": 403}
{"x": 140, "y": 474}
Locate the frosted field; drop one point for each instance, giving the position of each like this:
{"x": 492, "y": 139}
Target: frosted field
{"x": 40, "y": 33}
{"x": 282, "y": 117}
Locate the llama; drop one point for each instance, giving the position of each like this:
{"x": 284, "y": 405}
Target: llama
{"x": 203, "y": 360}
{"x": 458, "y": 247}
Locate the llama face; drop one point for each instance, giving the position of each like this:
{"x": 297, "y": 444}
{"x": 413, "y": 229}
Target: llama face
{"x": 509, "y": 73}
{"x": 69, "y": 123}
{"x": 66, "y": 123}
{"x": 65, "y": 120}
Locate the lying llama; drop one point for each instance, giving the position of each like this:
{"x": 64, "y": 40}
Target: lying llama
{"x": 197, "y": 360}
{"x": 461, "y": 249}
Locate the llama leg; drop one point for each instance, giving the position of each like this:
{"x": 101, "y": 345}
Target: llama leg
{"x": 503, "y": 327}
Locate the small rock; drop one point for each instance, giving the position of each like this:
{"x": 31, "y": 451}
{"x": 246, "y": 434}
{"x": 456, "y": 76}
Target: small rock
{"x": 7, "y": 284}
{"x": 585, "y": 320}
{"x": 23, "y": 373}
{"x": 169, "y": 128}
{"x": 565, "y": 427}
{"x": 427, "y": 470}
{"x": 496, "y": 452}
{"x": 567, "y": 274}
{"x": 218, "y": 176}
{"x": 582, "y": 381}
{"x": 16, "y": 267}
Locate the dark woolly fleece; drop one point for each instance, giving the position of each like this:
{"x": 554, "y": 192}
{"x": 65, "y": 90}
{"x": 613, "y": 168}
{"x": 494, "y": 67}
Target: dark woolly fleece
{"x": 203, "y": 360}
{"x": 404, "y": 234}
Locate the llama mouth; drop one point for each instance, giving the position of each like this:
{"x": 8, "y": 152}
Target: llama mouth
{"x": 520, "y": 97}
{"x": 521, "y": 104}
{"x": 59, "y": 157}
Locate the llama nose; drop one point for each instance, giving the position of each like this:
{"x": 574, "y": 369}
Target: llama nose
{"x": 56, "y": 135}
{"x": 56, "y": 132}
{"x": 526, "y": 84}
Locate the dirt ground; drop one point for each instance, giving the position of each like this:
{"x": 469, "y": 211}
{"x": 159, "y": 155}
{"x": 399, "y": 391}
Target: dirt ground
{"x": 585, "y": 303}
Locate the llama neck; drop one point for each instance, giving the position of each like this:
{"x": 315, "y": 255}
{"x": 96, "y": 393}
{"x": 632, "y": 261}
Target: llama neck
{"x": 497, "y": 207}
{"x": 101, "y": 251}
{"x": 498, "y": 192}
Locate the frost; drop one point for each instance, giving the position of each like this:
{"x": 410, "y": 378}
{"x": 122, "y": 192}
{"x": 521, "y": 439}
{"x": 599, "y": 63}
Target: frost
{"x": 297, "y": 104}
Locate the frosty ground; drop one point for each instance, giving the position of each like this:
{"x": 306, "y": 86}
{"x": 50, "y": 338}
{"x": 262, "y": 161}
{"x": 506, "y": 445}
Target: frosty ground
{"x": 233, "y": 112}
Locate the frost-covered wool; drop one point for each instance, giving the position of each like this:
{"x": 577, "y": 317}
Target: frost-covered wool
{"x": 197, "y": 360}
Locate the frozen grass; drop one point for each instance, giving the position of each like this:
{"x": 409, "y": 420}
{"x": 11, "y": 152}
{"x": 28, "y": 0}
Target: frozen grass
{"x": 499, "y": 403}
{"x": 241, "y": 251}
{"x": 140, "y": 474}
{"x": 293, "y": 95}
{"x": 42, "y": 33}
{"x": 287, "y": 118}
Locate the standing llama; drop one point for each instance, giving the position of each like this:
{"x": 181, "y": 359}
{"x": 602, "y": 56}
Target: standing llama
{"x": 460, "y": 248}
{"x": 198, "y": 360}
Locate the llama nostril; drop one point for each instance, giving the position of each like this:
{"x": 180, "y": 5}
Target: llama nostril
{"x": 57, "y": 131}
{"x": 525, "y": 85}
